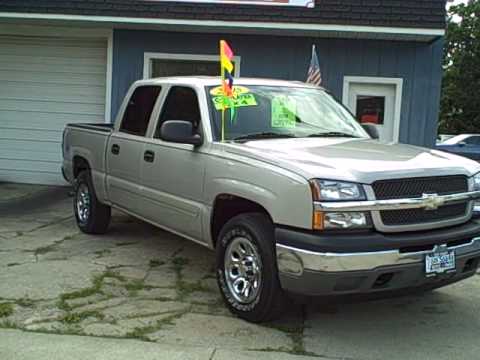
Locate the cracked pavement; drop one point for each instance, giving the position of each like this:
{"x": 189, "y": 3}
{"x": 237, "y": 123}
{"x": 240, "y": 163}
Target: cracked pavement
{"x": 141, "y": 285}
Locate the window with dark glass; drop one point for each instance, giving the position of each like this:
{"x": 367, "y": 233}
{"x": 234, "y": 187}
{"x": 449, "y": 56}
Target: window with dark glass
{"x": 370, "y": 109}
{"x": 472, "y": 140}
{"x": 139, "y": 109}
{"x": 180, "y": 104}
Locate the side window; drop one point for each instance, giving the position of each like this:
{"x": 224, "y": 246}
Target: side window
{"x": 472, "y": 140}
{"x": 180, "y": 104}
{"x": 139, "y": 109}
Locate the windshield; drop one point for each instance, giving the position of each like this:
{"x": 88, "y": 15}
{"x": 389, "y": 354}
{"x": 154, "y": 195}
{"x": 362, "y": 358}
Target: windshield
{"x": 277, "y": 112}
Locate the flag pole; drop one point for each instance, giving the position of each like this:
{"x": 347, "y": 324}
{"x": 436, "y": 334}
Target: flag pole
{"x": 222, "y": 75}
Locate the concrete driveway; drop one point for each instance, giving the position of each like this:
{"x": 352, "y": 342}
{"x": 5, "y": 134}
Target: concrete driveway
{"x": 141, "y": 283}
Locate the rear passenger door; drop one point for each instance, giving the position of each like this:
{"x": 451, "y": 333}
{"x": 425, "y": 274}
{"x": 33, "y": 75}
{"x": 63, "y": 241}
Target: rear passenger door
{"x": 173, "y": 174}
{"x": 125, "y": 150}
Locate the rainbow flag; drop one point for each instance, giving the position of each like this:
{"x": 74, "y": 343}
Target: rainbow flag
{"x": 226, "y": 57}
{"x": 226, "y": 71}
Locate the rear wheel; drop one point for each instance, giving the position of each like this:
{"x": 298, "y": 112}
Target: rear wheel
{"x": 247, "y": 270}
{"x": 92, "y": 216}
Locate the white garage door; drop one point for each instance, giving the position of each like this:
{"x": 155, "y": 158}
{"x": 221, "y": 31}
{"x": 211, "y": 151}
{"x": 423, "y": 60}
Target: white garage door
{"x": 46, "y": 83}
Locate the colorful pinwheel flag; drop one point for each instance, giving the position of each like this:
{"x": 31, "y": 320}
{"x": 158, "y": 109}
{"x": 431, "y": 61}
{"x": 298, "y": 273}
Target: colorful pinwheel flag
{"x": 226, "y": 68}
{"x": 226, "y": 57}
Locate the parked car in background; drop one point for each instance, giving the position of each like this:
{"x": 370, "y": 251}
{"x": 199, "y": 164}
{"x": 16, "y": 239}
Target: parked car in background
{"x": 444, "y": 137}
{"x": 467, "y": 145}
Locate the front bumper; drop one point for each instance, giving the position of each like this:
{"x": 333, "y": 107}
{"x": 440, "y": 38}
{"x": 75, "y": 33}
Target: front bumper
{"x": 335, "y": 264}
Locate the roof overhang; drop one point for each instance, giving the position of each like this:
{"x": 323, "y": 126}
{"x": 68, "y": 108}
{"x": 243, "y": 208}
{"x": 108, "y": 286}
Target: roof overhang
{"x": 239, "y": 27}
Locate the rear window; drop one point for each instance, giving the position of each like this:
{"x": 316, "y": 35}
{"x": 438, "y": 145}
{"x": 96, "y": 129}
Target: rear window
{"x": 139, "y": 110}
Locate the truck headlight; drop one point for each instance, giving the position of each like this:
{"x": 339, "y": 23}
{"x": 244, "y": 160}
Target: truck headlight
{"x": 330, "y": 190}
{"x": 476, "y": 187}
{"x": 341, "y": 220}
{"x": 476, "y": 182}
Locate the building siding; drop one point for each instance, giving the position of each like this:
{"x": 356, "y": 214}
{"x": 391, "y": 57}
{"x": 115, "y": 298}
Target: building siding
{"x": 419, "y": 64}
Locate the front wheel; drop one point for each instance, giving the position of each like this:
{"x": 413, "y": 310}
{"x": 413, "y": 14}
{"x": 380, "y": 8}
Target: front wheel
{"x": 247, "y": 270}
{"x": 92, "y": 216}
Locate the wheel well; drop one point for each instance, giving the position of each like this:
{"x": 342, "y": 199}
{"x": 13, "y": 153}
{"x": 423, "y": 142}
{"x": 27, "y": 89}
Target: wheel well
{"x": 79, "y": 164}
{"x": 228, "y": 206}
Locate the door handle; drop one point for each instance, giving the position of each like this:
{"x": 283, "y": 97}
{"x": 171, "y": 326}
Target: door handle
{"x": 149, "y": 156}
{"x": 115, "y": 149}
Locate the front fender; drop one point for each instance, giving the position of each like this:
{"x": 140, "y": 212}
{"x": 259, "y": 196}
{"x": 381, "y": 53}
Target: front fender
{"x": 287, "y": 198}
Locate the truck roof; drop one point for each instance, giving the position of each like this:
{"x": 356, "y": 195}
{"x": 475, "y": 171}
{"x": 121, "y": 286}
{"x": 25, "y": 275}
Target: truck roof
{"x": 215, "y": 80}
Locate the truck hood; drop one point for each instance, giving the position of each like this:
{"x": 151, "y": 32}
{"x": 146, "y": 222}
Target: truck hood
{"x": 358, "y": 160}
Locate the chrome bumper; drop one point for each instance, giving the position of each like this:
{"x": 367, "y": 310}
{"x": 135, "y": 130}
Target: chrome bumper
{"x": 294, "y": 261}
{"x": 428, "y": 201}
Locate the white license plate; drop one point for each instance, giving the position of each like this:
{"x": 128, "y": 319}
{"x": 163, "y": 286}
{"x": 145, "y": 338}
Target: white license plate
{"x": 441, "y": 262}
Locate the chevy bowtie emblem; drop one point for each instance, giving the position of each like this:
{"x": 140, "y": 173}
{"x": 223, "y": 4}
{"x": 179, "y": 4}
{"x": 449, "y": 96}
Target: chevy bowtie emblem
{"x": 432, "y": 201}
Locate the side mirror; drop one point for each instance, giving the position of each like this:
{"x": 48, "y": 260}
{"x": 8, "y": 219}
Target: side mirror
{"x": 371, "y": 130}
{"x": 462, "y": 144}
{"x": 179, "y": 131}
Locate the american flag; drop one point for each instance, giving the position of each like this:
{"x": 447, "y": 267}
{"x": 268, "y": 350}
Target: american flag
{"x": 314, "y": 75}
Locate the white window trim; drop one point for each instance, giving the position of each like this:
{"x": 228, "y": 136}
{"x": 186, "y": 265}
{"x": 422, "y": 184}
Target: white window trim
{"x": 149, "y": 56}
{"x": 397, "y": 82}
{"x": 58, "y": 31}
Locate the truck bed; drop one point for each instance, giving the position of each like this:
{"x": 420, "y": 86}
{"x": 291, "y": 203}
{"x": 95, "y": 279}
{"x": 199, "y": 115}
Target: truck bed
{"x": 93, "y": 126}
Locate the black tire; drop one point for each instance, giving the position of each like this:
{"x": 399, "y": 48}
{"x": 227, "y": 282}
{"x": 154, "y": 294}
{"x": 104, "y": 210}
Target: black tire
{"x": 98, "y": 218}
{"x": 270, "y": 300}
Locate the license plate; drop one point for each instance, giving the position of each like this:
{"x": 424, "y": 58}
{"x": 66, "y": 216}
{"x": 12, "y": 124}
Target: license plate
{"x": 441, "y": 262}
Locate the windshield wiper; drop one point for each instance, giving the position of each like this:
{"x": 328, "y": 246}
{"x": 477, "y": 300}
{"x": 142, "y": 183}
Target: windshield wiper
{"x": 333, "y": 134}
{"x": 263, "y": 135}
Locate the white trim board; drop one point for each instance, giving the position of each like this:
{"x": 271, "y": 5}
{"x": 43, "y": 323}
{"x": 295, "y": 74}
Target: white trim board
{"x": 252, "y": 25}
{"x": 108, "y": 85}
{"x": 397, "y": 82}
{"x": 149, "y": 56}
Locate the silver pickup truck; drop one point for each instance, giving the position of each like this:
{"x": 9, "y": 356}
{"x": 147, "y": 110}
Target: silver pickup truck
{"x": 297, "y": 198}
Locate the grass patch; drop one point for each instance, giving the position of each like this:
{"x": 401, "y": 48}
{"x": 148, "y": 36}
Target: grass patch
{"x": 178, "y": 263}
{"x": 185, "y": 288}
{"x": 75, "y": 318}
{"x": 25, "y": 302}
{"x": 141, "y": 332}
{"x": 6, "y": 309}
{"x": 8, "y": 324}
{"x": 295, "y": 333}
{"x": 96, "y": 288}
{"x": 136, "y": 285}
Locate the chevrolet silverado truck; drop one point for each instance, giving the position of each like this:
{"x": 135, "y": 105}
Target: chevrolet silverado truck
{"x": 290, "y": 191}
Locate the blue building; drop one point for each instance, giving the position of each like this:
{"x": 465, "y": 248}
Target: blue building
{"x": 73, "y": 61}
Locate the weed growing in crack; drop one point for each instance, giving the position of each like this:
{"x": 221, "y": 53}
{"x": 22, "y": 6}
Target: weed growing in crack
{"x": 141, "y": 332}
{"x": 96, "y": 288}
{"x": 75, "y": 318}
{"x": 6, "y": 309}
{"x": 136, "y": 285}
{"x": 45, "y": 249}
{"x": 25, "y": 302}
{"x": 156, "y": 263}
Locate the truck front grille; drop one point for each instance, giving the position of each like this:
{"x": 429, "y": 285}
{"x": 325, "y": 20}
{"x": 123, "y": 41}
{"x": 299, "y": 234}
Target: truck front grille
{"x": 415, "y": 188}
{"x": 420, "y": 216}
